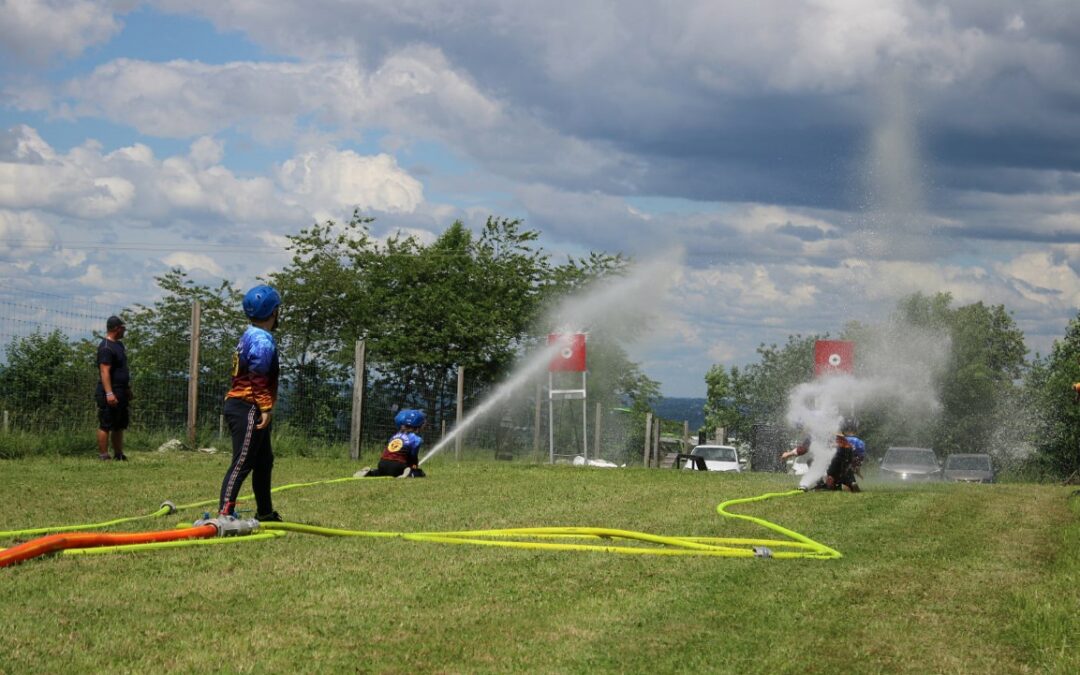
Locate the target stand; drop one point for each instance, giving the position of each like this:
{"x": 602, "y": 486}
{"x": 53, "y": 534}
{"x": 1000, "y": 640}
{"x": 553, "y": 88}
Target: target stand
{"x": 569, "y": 358}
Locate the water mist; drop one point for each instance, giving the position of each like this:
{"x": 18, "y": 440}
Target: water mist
{"x": 611, "y": 302}
{"x": 899, "y": 367}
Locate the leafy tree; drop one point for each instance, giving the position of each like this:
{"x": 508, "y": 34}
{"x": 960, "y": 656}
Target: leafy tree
{"x": 986, "y": 359}
{"x": 424, "y": 310}
{"x": 1048, "y": 391}
{"x": 158, "y": 343}
{"x": 46, "y": 378}
{"x": 738, "y": 399}
{"x": 976, "y": 383}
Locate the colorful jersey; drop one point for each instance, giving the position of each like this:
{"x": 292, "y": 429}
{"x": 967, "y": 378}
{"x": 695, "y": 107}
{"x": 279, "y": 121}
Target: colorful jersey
{"x": 113, "y": 354}
{"x": 404, "y": 447}
{"x": 858, "y": 446}
{"x": 255, "y": 369}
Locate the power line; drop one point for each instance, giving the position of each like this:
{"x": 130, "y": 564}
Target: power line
{"x": 87, "y": 246}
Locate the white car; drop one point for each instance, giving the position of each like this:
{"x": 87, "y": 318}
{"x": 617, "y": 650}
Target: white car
{"x": 716, "y": 458}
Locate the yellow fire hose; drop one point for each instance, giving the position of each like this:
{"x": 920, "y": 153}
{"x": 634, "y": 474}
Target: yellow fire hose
{"x": 803, "y": 547}
{"x": 795, "y": 546}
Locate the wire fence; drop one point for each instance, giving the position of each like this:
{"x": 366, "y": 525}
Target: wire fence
{"x": 48, "y": 375}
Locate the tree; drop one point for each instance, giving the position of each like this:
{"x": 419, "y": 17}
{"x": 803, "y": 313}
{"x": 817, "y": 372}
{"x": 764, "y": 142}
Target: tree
{"x": 1048, "y": 391}
{"x": 158, "y": 343}
{"x": 424, "y": 310}
{"x": 977, "y": 384}
{"x": 47, "y": 378}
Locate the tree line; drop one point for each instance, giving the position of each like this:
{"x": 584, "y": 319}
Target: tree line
{"x": 477, "y": 300}
{"x": 988, "y": 396}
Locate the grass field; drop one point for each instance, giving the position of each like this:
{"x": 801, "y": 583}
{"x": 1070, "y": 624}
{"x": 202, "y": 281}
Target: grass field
{"x": 940, "y": 578}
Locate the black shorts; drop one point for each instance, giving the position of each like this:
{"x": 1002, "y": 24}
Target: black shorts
{"x": 388, "y": 467}
{"x": 112, "y": 418}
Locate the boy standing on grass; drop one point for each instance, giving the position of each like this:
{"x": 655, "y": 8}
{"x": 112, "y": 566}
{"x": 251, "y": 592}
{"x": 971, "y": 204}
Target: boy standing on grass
{"x": 401, "y": 458}
{"x": 249, "y": 405}
{"x": 113, "y": 390}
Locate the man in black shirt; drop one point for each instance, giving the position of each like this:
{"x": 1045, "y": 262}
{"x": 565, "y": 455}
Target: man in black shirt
{"x": 113, "y": 390}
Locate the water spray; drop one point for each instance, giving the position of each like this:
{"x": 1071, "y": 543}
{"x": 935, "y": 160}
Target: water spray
{"x": 604, "y": 305}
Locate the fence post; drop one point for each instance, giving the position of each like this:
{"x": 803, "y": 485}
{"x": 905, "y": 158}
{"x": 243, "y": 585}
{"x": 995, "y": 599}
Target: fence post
{"x": 656, "y": 441}
{"x": 536, "y": 418}
{"x": 193, "y": 374}
{"x": 460, "y": 411}
{"x": 648, "y": 439}
{"x": 221, "y": 426}
{"x": 686, "y": 436}
{"x": 357, "y": 424}
{"x": 7, "y": 422}
{"x": 596, "y": 430}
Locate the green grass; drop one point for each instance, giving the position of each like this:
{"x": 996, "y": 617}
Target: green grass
{"x": 941, "y": 578}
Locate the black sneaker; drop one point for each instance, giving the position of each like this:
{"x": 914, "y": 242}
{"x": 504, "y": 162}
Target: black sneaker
{"x": 120, "y": 457}
{"x": 272, "y": 517}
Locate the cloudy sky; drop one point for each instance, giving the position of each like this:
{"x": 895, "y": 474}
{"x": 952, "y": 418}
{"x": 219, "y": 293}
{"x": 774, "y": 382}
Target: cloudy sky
{"x": 815, "y": 159}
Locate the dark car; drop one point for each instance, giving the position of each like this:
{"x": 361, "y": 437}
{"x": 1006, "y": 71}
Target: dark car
{"x": 973, "y": 468}
{"x": 910, "y": 464}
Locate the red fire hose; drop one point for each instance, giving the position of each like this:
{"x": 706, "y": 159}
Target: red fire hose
{"x": 59, "y": 542}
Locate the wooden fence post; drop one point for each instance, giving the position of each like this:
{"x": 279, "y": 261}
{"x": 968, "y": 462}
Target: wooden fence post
{"x": 193, "y": 374}
{"x": 460, "y": 411}
{"x": 648, "y": 439}
{"x": 357, "y": 423}
{"x": 596, "y": 430}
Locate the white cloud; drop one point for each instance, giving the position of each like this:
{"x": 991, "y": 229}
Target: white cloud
{"x": 333, "y": 181}
{"x": 131, "y": 182}
{"x": 33, "y": 31}
{"x": 414, "y": 89}
{"x": 194, "y": 262}
{"x": 751, "y": 285}
{"x": 22, "y": 234}
{"x": 1044, "y": 279}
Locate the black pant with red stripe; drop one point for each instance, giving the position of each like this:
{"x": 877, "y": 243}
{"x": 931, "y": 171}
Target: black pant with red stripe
{"x": 251, "y": 454}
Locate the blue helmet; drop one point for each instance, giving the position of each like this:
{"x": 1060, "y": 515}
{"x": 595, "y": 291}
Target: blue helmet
{"x": 410, "y": 418}
{"x": 260, "y": 302}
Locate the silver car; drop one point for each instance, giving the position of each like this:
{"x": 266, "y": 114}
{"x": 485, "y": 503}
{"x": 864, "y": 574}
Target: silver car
{"x": 973, "y": 468}
{"x": 910, "y": 464}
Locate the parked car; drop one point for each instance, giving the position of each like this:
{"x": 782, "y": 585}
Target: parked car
{"x": 969, "y": 468}
{"x": 910, "y": 464}
{"x": 716, "y": 458}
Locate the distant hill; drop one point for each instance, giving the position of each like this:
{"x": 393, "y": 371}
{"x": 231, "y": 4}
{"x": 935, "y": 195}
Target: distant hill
{"x": 689, "y": 409}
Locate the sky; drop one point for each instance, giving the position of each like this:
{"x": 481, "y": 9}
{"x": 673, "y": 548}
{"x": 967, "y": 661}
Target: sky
{"x": 813, "y": 160}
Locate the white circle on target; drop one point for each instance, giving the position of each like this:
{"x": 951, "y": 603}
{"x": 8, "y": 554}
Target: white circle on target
{"x": 834, "y": 359}
{"x": 567, "y": 352}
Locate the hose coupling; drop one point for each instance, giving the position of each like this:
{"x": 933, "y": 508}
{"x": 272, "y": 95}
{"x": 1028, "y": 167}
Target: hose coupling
{"x": 228, "y": 526}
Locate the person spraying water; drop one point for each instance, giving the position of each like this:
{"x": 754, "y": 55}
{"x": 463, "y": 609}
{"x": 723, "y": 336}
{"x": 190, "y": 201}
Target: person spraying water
{"x": 401, "y": 458}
